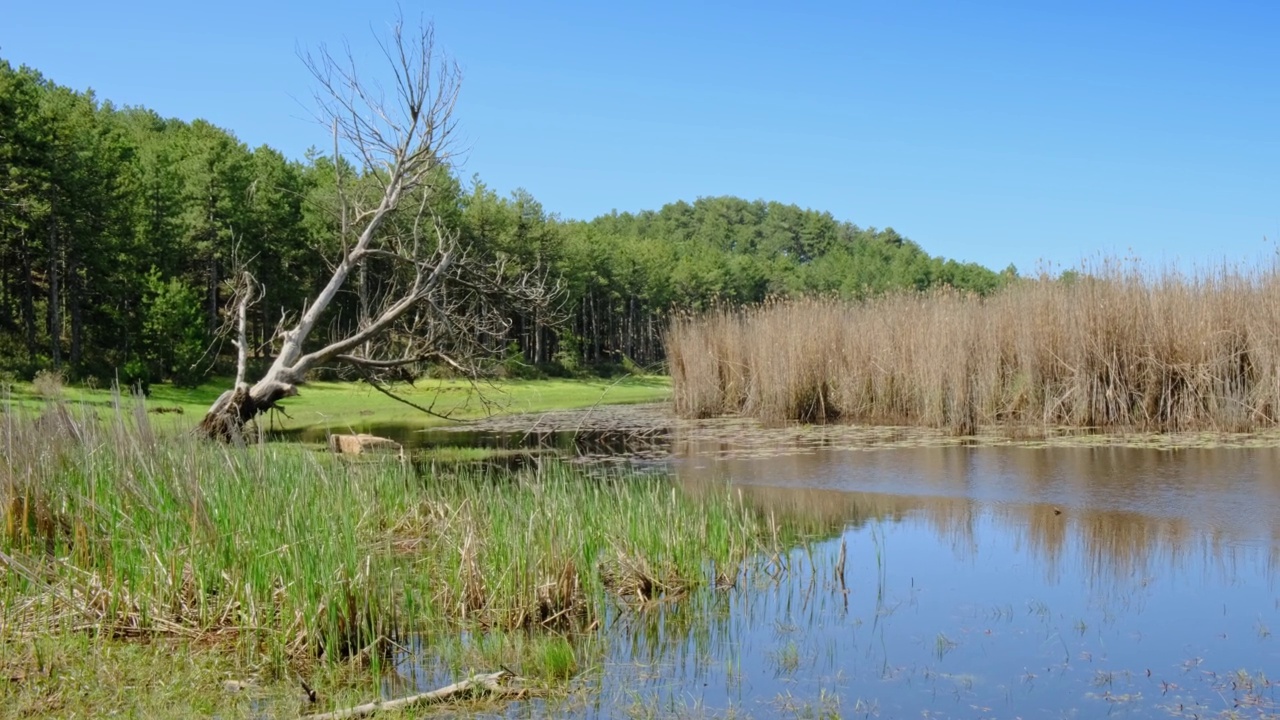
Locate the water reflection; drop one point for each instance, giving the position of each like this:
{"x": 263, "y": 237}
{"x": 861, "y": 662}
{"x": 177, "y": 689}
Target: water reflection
{"x": 1130, "y": 510}
{"x": 983, "y": 582}
{"x": 993, "y": 582}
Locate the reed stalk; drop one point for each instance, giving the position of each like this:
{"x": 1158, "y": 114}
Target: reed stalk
{"x": 1116, "y": 349}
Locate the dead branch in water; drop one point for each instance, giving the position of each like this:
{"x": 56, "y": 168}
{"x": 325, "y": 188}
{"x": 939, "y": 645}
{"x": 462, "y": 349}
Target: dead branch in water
{"x": 490, "y": 683}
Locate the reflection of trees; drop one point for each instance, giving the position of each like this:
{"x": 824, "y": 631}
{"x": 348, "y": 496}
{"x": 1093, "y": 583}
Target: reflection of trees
{"x": 1124, "y": 513}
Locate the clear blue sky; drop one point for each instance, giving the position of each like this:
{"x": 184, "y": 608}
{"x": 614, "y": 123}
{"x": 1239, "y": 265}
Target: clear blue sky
{"x": 996, "y": 132}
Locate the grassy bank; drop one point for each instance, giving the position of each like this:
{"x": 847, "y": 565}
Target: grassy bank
{"x": 341, "y": 405}
{"x": 1120, "y": 350}
{"x": 274, "y": 560}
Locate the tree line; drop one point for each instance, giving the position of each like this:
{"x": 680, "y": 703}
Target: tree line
{"x": 122, "y": 233}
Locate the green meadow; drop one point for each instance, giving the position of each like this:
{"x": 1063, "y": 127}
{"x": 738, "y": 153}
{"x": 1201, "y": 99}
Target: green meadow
{"x": 338, "y": 405}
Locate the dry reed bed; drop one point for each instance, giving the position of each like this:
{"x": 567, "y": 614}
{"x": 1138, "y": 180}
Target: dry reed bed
{"x": 112, "y": 528}
{"x": 1119, "y": 350}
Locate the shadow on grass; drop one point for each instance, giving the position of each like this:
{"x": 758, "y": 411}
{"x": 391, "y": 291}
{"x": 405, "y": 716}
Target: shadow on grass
{"x": 655, "y": 381}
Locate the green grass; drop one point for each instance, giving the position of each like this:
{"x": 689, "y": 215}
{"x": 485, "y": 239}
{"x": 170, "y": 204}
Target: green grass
{"x": 557, "y": 659}
{"x": 343, "y": 404}
{"x": 462, "y": 454}
{"x": 281, "y": 560}
{"x": 337, "y": 404}
{"x": 80, "y": 676}
{"x": 75, "y": 675}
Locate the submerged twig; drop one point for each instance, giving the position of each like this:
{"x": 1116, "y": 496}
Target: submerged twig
{"x": 491, "y": 683}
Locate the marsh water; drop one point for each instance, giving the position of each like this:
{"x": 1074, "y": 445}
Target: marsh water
{"x": 979, "y": 581}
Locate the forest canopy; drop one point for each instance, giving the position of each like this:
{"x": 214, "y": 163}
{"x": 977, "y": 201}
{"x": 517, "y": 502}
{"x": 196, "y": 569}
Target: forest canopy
{"x": 121, "y": 232}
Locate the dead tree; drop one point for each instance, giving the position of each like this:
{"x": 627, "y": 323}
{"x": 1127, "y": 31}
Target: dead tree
{"x": 423, "y": 295}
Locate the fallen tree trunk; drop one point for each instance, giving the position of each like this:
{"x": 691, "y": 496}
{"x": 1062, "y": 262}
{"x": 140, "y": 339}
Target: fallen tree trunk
{"x": 490, "y": 683}
{"x": 226, "y": 419}
{"x": 424, "y": 292}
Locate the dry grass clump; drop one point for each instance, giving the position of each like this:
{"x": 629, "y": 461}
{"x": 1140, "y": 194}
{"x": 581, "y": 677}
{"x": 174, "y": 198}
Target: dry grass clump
{"x": 48, "y": 384}
{"x": 631, "y": 577}
{"x": 1113, "y": 350}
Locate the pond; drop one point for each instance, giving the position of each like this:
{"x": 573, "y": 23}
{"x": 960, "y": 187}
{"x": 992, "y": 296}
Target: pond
{"x": 978, "y": 582}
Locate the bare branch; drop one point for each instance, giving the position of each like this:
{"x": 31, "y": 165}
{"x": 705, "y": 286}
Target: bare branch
{"x": 249, "y": 293}
{"x": 421, "y": 292}
{"x": 377, "y": 384}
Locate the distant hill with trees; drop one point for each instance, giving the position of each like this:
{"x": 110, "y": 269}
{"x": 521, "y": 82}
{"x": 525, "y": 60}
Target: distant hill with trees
{"x": 121, "y": 232}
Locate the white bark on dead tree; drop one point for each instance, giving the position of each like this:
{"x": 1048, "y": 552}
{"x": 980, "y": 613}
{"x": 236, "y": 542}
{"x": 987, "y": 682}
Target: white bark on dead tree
{"x": 434, "y": 298}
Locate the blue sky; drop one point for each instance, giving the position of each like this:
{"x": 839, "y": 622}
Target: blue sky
{"x": 1024, "y": 132}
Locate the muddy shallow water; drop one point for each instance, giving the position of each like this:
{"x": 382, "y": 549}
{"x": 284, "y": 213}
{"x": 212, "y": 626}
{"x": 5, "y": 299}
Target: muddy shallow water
{"x": 988, "y": 580}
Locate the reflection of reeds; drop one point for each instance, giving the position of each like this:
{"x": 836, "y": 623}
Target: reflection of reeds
{"x": 1121, "y": 514}
{"x": 1115, "y": 349}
